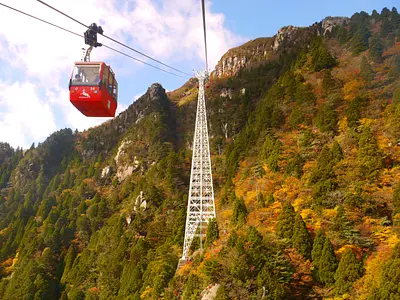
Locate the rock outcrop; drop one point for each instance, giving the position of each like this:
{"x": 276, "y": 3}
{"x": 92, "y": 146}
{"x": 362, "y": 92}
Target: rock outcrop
{"x": 226, "y": 92}
{"x": 285, "y": 33}
{"x": 229, "y": 66}
{"x": 329, "y": 22}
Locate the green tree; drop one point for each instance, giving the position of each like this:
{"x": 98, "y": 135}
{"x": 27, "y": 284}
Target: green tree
{"x": 321, "y": 57}
{"x": 329, "y": 84}
{"x": 389, "y": 282}
{"x": 353, "y": 111}
{"x": 369, "y": 155}
{"x": 347, "y": 272}
{"x": 301, "y": 237}
{"x": 396, "y": 97}
{"x": 271, "y": 199}
{"x": 269, "y": 286}
{"x": 396, "y": 198}
{"x": 395, "y": 71}
{"x": 359, "y": 42}
{"x": 386, "y": 28}
{"x": 366, "y": 71}
{"x": 296, "y": 117}
{"x": 337, "y": 152}
{"x": 376, "y": 49}
{"x": 327, "y": 264}
{"x": 239, "y": 213}
{"x": 222, "y": 293}
{"x": 395, "y": 18}
{"x": 318, "y": 246}
{"x": 212, "y": 232}
{"x": 295, "y": 166}
{"x": 286, "y": 222}
{"x": 327, "y": 119}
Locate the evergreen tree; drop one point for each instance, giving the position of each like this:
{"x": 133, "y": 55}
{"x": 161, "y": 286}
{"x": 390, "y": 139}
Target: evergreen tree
{"x": 318, "y": 246}
{"x": 395, "y": 71}
{"x": 386, "y": 28}
{"x": 222, "y": 293}
{"x": 286, "y": 222}
{"x": 359, "y": 43}
{"x": 239, "y": 213}
{"x": 296, "y": 117}
{"x": 395, "y": 18}
{"x": 375, "y": 15}
{"x": 295, "y": 166}
{"x": 389, "y": 282}
{"x": 260, "y": 200}
{"x": 269, "y": 285}
{"x": 347, "y": 272}
{"x": 369, "y": 155}
{"x": 327, "y": 264}
{"x": 376, "y": 49}
{"x": 329, "y": 84}
{"x": 396, "y": 97}
{"x": 321, "y": 58}
{"x": 327, "y": 119}
{"x": 271, "y": 199}
{"x": 337, "y": 152}
{"x": 353, "y": 111}
{"x": 366, "y": 71}
{"x": 301, "y": 237}
{"x": 212, "y": 232}
{"x": 324, "y": 166}
{"x": 396, "y": 199}
{"x": 342, "y": 35}
{"x": 385, "y": 13}
{"x": 40, "y": 182}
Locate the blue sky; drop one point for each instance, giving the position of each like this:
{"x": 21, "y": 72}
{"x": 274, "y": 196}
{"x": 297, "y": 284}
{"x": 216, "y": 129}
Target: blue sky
{"x": 36, "y": 59}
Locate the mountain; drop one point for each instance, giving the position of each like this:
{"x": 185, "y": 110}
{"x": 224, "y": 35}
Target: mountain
{"x": 305, "y": 140}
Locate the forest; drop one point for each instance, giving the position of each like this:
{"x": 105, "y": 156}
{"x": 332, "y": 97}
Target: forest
{"x": 306, "y": 171}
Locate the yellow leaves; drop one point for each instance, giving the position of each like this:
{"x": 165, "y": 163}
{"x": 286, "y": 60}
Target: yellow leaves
{"x": 9, "y": 264}
{"x": 343, "y": 125}
{"x": 226, "y": 214}
{"x": 289, "y": 190}
{"x": 328, "y": 214}
{"x": 385, "y": 235}
{"x": 352, "y": 89}
{"x": 366, "y": 122}
{"x": 146, "y": 293}
{"x": 373, "y": 268}
{"x": 370, "y": 221}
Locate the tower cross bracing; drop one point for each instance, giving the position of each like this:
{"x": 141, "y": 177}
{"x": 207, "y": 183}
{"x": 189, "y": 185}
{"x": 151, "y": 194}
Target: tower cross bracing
{"x": 201, "y": 193}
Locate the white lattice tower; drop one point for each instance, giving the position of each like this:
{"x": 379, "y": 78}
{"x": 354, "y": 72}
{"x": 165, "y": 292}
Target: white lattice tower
{"x": 201, "y": 193}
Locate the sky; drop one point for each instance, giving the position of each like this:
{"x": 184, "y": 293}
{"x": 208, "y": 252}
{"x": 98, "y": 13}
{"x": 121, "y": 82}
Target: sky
{"x": 36, "y": 59}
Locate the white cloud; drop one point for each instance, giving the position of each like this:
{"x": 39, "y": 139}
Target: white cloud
{"x": 171, "y": 31}
{"x": 23, "y": 116}
{"x": 174, "y": 30}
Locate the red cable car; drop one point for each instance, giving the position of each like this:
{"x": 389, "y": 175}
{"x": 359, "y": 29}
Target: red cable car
{"x": 93, "y": 89}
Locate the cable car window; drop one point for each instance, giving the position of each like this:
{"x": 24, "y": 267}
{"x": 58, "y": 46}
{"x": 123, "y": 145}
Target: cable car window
{"x": 105, "y": 75}
{"x": 86, "y": 75}
{"x": 110, "y": 83}
{"x": 115, "y": 90}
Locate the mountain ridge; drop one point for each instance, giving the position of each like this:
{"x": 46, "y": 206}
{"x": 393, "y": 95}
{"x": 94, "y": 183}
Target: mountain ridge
{"x": 306, "y": 171}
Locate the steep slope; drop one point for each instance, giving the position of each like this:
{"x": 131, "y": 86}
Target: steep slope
{"x": 305, "y": 142}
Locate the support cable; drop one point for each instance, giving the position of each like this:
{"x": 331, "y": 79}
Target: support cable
{"x": 77, "y": 34}
{"x": 205, "y": 31}
{"x": 110, "y": 38}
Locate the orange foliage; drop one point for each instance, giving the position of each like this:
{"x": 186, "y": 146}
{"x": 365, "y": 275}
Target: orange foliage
{"x": 352, "y": 89}
{"x": 373, "y": 268}
{"x": 303, "y": 273}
